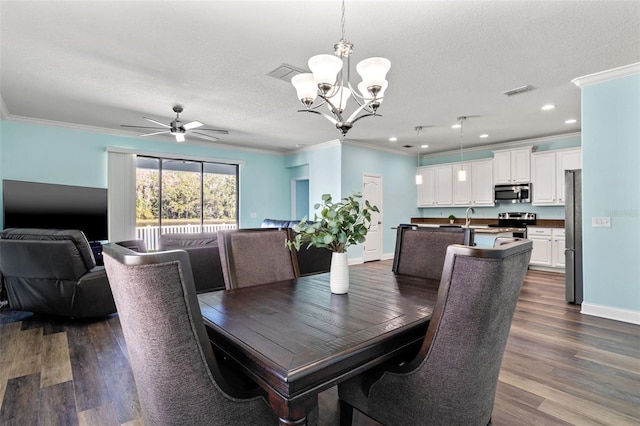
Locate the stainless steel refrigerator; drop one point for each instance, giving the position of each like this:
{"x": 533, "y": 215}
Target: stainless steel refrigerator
{"x": 573, "y": 235}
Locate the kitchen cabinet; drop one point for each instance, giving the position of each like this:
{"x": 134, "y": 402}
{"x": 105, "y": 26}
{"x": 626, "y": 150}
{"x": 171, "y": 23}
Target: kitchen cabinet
{"x": 512, "y": 166}
{"x": 557, "y": 248}
{"x": 547, "y": 175}
{"x": 427, "y": 190}
{"x": 482, "y": 183}
{"x": 548, "y": 246}
{"x": 477, "y": 190}
{"x": 541, "y": 239}
{"x": 462, "y": 195}
{"x": 440, "y": 186}
{"x": 444, "y": 185}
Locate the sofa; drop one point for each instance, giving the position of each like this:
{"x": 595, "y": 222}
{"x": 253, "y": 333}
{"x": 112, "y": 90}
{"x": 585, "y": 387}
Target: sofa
{"x": 311, "y": 260}
{"x": 203, "y": 255}
{"x": 54, "y": 272}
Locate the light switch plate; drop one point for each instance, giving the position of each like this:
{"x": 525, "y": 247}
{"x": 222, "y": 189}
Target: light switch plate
{"x": 601, "y": 222}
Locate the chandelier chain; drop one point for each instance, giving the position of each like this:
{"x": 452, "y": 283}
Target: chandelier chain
{"x": 342, "y": 21}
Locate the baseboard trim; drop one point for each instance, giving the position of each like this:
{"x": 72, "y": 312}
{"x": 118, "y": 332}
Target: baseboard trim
{"x": 547, "y": 269}
{"x": 617, "y": 314}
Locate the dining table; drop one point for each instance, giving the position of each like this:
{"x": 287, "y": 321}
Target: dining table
{"x": 296, "y": 339}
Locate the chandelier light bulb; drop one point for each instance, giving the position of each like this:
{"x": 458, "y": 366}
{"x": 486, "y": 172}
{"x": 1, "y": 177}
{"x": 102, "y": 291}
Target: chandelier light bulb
{"x": 373, "y": 72}
{"x": 340, "y": 98}
{"x": 418, "y": 179}
{"x": 462, "y": 175}
{"x": 325, "y": 69}
{"x": 305, "y": 88}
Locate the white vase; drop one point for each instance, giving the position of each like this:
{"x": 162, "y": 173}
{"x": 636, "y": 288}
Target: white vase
{"x": 339, "y": 274}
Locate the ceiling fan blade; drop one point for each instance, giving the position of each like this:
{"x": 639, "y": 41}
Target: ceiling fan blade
{"x": 221, "y": 131}
{"x": 155, "y": 133}
{"x": 139, "y": 127}
{"x": 206, "y": 136}
{"x": 157, "y": 122}
{"x": 179, "y": 137}
{"x": 192, "y": 125}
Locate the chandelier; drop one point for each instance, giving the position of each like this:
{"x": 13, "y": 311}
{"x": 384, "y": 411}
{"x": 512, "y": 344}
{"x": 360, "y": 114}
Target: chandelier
{"x": 329, "y": 82}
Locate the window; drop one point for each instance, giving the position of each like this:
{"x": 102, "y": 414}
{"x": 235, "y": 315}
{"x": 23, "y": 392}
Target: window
{"x": 184, "y": 196}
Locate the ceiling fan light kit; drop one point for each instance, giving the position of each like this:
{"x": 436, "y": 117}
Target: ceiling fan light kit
{"x": 176, "y": 128}
{"x": 328, "y": 81}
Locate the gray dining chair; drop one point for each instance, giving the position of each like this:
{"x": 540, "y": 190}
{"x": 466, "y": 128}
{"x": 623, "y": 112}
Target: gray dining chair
{"x": 176, "y": 373}
{"x": 453, "y": 379}
{"x": 420, "y": 251}
{"x": 252, "y": 257}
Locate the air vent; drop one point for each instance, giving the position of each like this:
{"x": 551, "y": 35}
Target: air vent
{"x": 286, "y": 72}
{"x": 518, "y": 90}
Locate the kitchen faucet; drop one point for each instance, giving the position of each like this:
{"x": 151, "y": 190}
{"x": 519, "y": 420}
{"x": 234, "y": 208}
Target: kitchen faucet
{"x": 468, "y": 219}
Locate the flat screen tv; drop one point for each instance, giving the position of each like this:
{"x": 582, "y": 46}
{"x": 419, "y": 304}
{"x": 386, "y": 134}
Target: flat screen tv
{"x": 51, "y": 206}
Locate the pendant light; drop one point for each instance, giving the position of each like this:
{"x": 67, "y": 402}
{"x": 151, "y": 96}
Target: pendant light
{"x": 418, "y": 174}
{"x": 462, "y": 173}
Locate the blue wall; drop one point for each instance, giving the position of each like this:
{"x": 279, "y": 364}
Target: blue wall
{"x": 399, "y": 193}
{"x": 611, "y": 182}
{"x": 73, "y": 157}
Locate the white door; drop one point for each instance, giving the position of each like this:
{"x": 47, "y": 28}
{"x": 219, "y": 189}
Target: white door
{"x": 372, "y": 192}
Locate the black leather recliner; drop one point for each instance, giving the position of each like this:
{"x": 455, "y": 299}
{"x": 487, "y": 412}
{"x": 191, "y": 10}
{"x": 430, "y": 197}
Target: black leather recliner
{"x": 53, "y": 272}
{"x": 204, "y": 256}
{"x": 312, "y": 260}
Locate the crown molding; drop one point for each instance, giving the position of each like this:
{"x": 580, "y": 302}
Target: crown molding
{"x": 125, "y": 133}
{"x": 607, "y": 75}
{"x": 378, "y": 148}
{"x": 323, "y": 145}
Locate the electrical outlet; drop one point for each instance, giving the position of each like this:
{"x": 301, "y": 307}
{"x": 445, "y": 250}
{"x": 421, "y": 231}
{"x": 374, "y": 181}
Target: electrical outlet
{"x": 601, "y": 222}
{"x": 253, "y": 215}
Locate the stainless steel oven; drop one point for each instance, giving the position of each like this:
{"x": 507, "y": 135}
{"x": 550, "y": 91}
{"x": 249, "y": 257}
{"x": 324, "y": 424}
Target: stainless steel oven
{"x": 518, "y": 221}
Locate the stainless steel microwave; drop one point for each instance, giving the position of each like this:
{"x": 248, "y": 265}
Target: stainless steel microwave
{"x": 520, "y": 193}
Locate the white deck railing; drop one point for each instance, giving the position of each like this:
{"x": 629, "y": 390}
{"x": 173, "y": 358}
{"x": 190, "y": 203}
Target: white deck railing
{"x": 151, "y": 234}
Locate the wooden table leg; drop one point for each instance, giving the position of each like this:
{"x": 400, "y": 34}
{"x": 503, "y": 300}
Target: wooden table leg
{"x": 292, "y": 412}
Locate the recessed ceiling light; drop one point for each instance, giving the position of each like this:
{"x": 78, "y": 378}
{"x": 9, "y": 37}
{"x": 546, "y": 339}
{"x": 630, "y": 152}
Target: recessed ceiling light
{"x": 484, "y": 135}
{"x": 424, "y": 146}
{"x": 393, "y": 139}
{"x": 456, "y": 126}
{"x": 548, "y": 107}
{"x": 570, "y": 121}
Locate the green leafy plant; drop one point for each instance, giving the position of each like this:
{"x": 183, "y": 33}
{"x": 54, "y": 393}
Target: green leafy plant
{"x": 336, "y": 226}
{"x": 452, "y": 217}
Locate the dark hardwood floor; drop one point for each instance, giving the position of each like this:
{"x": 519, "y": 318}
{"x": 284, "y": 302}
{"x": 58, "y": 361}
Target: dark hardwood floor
{"x": 559, "y": 368}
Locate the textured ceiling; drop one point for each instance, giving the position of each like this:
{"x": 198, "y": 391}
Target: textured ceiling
{"x": 103, "y": 64}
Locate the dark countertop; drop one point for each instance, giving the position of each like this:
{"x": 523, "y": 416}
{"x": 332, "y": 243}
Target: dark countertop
{"x": 477, "y": 221}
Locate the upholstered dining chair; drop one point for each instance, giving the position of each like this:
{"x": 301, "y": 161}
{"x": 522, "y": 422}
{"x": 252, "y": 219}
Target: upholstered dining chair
{"x": 256, "y": 256}
{"x": 453, "y": 379}
{"x": 420, "y": 251}
{"x": 176, "y": 373}
{"x": 136, "y": 245}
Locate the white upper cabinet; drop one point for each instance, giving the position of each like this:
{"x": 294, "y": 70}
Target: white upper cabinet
{"x": 482, "y": 183}
{"x": 462, "y": 190}
{"x": 440, "y": 186}
{"x": 547, "y": 175}
{"x": 512, "y": 166}
{"x": 543, "y": 165}
{"x": 426, "y": 191}
{"x": 444, "y": 185}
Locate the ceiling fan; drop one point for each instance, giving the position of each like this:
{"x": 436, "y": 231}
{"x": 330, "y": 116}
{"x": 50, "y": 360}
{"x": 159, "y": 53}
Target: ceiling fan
{"x": 177, "y": 129}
